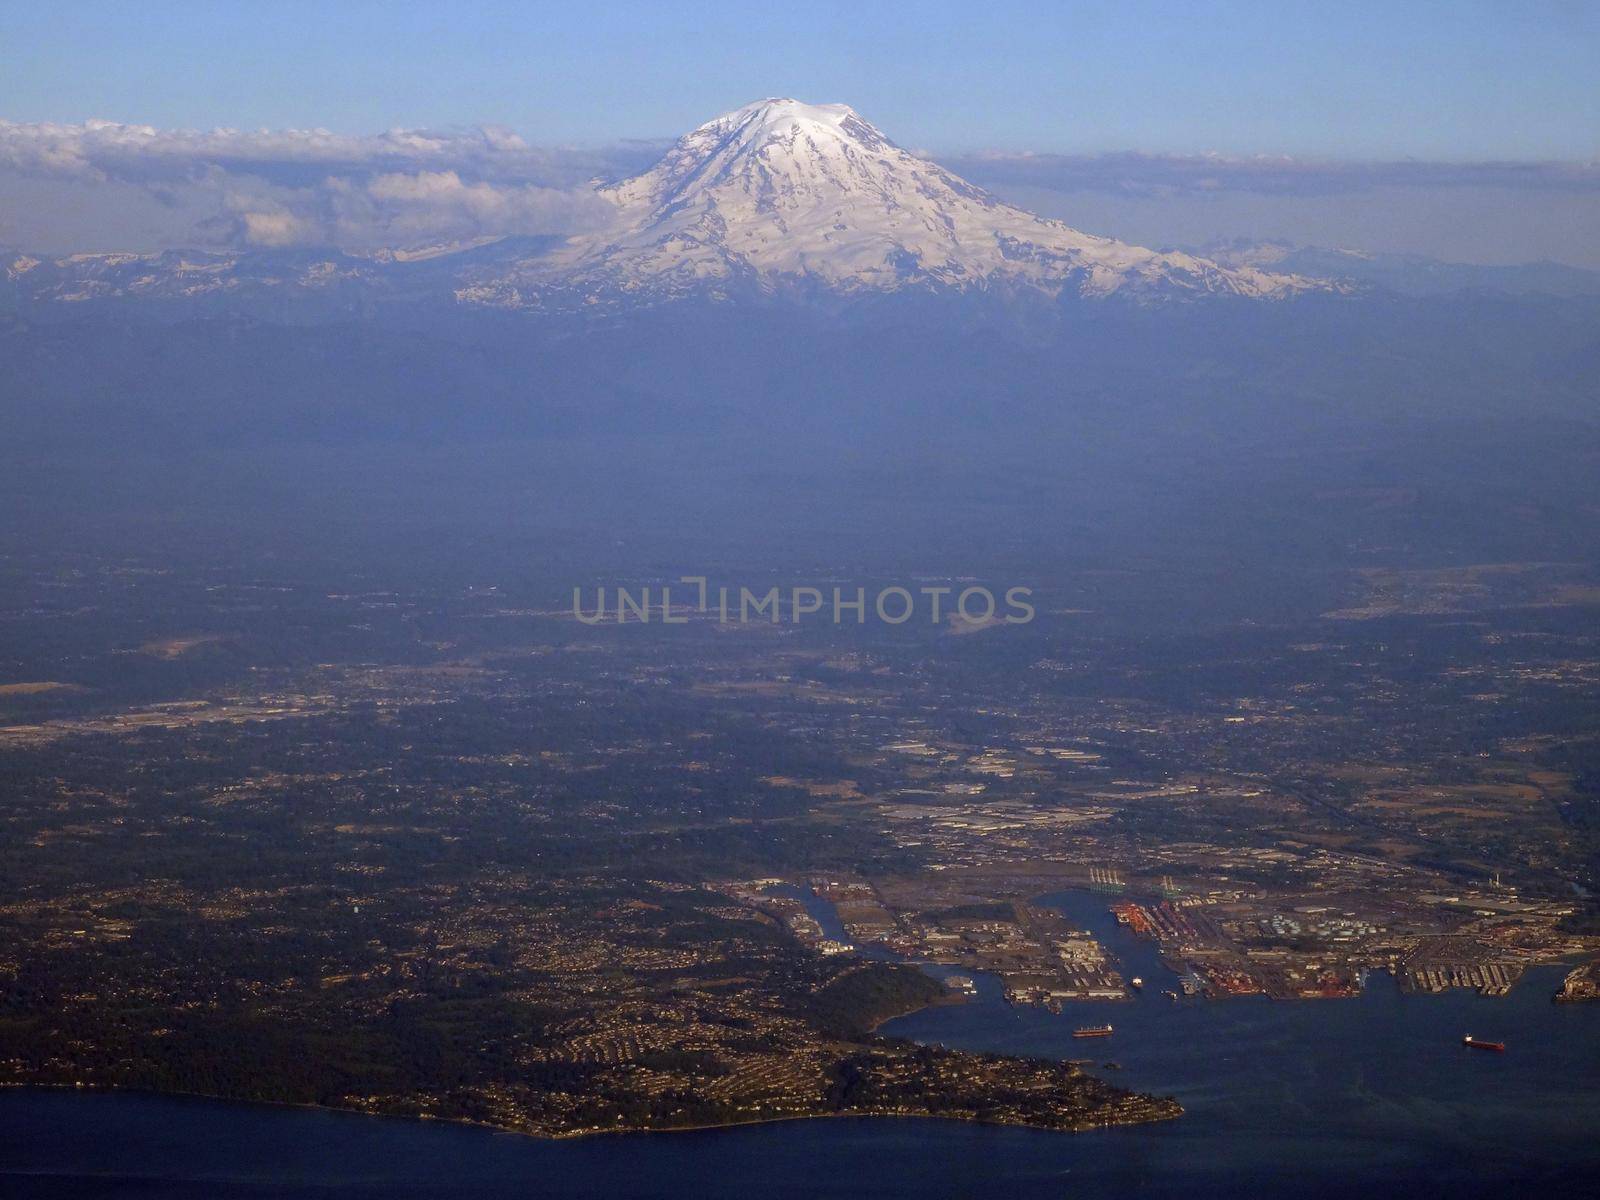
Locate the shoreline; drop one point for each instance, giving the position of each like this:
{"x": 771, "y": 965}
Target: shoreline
{"x": 1161, "y": 1108}
{"x": 575, "y": 1135}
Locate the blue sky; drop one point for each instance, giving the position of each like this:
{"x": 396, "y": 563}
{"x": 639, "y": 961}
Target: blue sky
{"x": 1463, "y": 80}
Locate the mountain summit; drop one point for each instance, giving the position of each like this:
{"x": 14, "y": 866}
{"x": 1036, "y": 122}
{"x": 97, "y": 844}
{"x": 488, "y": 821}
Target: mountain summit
{"x": 781, "y": 192}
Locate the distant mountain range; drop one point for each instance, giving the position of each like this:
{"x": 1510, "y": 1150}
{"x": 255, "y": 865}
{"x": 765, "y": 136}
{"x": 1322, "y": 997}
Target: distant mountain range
{"x": 776, "y": 197}
{"x": 1407, "y": 274}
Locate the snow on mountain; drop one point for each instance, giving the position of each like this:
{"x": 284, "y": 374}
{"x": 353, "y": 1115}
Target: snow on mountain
{"x": 775, "y": 195}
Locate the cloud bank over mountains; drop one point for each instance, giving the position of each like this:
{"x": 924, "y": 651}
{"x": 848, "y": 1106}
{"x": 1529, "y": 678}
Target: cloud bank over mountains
{"x": 313, "y": 187}
{"x": 104, "y": 185}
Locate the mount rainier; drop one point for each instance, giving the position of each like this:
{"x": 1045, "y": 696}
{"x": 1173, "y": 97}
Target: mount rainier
{"x": 779, "y": 192}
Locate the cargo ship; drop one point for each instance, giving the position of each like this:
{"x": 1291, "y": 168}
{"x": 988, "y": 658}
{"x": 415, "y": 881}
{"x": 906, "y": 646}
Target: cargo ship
{"x": 1092, "y": 1031}
{"x": 1481, "y": 1044}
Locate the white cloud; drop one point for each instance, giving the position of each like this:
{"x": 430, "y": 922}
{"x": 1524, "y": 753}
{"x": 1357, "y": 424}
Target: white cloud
{"x": 274, "y": 228}
{"x": 107, "y": 149}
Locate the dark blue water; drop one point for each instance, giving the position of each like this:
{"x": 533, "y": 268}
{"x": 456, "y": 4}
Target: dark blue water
{"x": 1372, "y": 1096}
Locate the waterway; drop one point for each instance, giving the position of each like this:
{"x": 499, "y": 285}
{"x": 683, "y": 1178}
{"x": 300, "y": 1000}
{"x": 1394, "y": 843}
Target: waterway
{"x": 1371, "y": 1096}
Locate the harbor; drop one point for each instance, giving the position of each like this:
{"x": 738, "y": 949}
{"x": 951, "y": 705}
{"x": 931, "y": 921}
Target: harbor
{"x": 1374, "y": 1086}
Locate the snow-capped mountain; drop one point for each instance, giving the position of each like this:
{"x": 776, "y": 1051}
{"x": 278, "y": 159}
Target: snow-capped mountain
{"x": 776, "y": 196}
{"x": 780, "y": 192}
